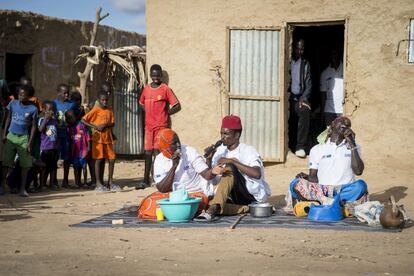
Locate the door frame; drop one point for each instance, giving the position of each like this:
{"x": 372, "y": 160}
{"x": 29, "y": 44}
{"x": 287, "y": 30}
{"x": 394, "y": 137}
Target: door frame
{"x": 282, "y": 120}
{"x": 289, "y": 27}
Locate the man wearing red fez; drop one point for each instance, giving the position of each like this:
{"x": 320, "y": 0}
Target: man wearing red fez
{"x": 239, "y": 174}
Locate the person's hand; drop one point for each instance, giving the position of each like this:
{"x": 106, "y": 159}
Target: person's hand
{"x": 350, "y": 137}
{"x": 218, "y": 170}
{"x": 29, "y": 148}
{"x": 224, "y": 160}
{"x": 48, "y": 115}
{"x": 211, "y": 151}
{"x": 100, "y": 127}
{"x": 176, "y": 157}
{"x": 303, "y": 103}
{"x": 302, "y": 175}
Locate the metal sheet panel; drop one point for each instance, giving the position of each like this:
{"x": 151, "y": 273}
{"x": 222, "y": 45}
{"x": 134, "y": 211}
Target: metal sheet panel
{"x": 411, "y": 44}
{"x": 260, "y": 120}
{"x": 254, "y": 72}
{"x": 129, "y": 128}
{"x": 254, "y": 62}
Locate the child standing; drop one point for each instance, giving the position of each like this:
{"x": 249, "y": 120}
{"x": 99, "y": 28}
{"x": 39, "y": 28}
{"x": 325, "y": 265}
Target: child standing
{"x": 76, "y": 98}
{"x": 49, "y": 153}
{"x": 63, "y": 104}
{"x": 79, "y": 141}
{"x": 18, "y": 135}
{"x": 102, "y": 120}
{"x": 159, "y": 102}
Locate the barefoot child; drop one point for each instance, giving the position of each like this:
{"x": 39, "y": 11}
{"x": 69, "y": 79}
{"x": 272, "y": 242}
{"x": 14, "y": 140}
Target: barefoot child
{"x": 102, "y": 119}
{"x": 79, "y": 142}
{"x": 49, "y": 153}
{"x": 18, "y": 135}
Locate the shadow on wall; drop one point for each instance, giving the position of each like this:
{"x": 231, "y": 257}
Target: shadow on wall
{"x": 165, "y": 77}
{"x": 399, "y": 193}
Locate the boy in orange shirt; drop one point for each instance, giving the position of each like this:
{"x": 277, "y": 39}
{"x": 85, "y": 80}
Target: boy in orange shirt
{"x": 102, "y": 119}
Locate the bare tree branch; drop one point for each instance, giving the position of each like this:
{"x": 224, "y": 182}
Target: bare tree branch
{"x": 83, "y": 77}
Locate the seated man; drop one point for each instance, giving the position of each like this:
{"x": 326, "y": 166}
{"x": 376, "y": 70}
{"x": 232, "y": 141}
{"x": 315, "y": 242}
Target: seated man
{"x": 177, "y": 167}
{"x": 180, "y": 166}
{"x": 332, "y": 169}
{"x": 240, "y": 174}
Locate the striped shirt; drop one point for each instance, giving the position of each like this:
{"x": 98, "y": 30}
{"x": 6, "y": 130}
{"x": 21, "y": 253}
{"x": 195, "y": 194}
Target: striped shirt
{"x": 79, "y": 137}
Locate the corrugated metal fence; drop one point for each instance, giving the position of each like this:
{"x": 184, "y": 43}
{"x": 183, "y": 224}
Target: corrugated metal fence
{"x": 254, "y": 88}
{"x": 129, "y": 128}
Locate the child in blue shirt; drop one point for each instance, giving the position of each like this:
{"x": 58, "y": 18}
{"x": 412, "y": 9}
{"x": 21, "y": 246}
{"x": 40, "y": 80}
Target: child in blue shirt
{"x": 63, "y": 104}
{"x": 20, "y": 128}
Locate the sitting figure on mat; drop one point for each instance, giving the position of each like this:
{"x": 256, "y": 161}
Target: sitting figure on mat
{"x": 332, "y": 169}
{"x": 239, "y": 172}
{"x": 179, "y": 166}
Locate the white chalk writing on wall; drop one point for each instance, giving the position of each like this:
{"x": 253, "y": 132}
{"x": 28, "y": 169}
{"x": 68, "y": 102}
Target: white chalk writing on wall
{"x": 58, "y": 61}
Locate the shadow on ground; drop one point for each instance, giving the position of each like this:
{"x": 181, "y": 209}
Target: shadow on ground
{"x": 399, "y": 192}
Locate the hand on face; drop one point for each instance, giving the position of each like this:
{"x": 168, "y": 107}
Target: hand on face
{"x": 176, "y": 156}
{"x": 349, "y": 136}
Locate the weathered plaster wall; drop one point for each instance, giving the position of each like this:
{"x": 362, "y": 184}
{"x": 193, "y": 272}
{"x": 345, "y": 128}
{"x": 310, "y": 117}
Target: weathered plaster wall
{"x": 54, "y": 43}
{"x": 188, "y": 37}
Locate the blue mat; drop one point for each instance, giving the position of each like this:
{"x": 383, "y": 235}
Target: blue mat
{"x": 277, "y": 220}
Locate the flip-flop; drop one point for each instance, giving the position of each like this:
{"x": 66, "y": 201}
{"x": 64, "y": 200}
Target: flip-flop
{"x": 24, "y": 194}
{"x": 101, "y": 189}
{"x": 205, "y": 217}
{"x": 141, "y": 186}
{"x": 115, "y": 188}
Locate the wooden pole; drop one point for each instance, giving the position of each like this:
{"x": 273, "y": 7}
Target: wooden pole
{"x": 83, "y": 76}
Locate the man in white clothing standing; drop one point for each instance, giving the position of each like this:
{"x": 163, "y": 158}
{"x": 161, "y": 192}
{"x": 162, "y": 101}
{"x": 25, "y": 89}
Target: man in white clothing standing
{"x": 332, "y": 89}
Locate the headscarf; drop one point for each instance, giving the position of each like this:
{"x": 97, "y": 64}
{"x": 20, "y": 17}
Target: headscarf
{"x": 165, "y": 139}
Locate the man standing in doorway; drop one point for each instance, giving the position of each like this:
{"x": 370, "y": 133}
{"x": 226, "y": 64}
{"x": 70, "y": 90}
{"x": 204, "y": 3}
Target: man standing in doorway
{"x": 300, "y": 90}
{"x": 332, "y": 89}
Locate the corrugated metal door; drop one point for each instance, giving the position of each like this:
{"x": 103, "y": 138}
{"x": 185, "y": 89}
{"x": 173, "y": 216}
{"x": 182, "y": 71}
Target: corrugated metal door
{"x": 129, "y": 128}
{"x": 254, "y": 89}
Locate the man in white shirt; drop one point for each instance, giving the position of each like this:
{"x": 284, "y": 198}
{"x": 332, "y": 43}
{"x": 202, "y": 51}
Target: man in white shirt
{"x": 179, "y": 166}
{"x": 300, "y": 91}
{"x": 332, "y": 168}
{"x": 240, "y": 174}
{"x": 332, "y": 89}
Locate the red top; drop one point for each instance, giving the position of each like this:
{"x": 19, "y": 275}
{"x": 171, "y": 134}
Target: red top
{"x": 155, "y": 101}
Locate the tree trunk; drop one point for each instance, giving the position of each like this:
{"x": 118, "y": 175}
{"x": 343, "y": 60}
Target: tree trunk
{"x": 83, "y": 76}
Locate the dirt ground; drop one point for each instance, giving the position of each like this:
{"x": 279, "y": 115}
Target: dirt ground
{"x": 35, "y": 237}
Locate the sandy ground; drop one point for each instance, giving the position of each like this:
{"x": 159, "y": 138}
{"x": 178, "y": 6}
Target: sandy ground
{"x": 35, "y": 237}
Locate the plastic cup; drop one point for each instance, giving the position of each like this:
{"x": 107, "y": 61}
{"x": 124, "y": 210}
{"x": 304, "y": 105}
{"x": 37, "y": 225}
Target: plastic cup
{"x": 159, "y": 214}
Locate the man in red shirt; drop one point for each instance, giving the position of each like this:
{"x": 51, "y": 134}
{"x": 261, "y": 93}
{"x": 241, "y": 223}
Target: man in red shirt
{"x": 158, "y": 102}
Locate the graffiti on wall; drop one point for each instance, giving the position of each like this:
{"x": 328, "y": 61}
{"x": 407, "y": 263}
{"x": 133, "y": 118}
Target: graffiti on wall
{"x": 56, "y": 61}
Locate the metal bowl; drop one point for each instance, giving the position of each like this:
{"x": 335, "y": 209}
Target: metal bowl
{"x": 261, "y": 210}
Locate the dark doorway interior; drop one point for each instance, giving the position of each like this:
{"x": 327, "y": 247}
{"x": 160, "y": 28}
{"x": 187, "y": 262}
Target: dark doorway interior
{"x": 17, "y": 66}
{"x": 319, "y": 40}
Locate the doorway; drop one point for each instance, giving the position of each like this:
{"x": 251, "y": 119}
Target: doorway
{"x": 17, "y": 66}
{"x": 320, "y": 39}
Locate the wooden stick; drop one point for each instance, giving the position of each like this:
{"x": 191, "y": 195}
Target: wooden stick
{"x": 237, "y": 221}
